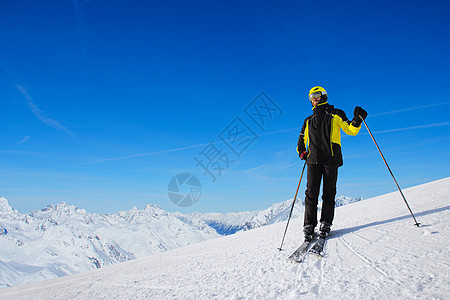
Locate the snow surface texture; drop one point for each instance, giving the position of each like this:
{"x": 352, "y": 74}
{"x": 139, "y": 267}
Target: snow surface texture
{"x": 374, "y": 252}
{"x": 63, "y": 239}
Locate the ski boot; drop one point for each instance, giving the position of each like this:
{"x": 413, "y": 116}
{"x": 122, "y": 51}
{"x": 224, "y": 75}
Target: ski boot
{"x": 324, "y": 229}
{"x": 308, "y": 231}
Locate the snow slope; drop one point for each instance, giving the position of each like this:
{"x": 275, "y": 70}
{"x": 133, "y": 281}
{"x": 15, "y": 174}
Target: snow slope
{"x": 63, "y": 239}
{"x": 375, "y": 252}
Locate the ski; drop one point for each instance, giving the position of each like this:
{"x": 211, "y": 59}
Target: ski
{"x": 299, "y": 255}
{"x": 317, "y": 248}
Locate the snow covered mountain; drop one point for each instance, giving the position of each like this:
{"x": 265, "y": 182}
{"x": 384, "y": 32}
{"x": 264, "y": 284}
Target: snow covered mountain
{"x": 229, "y": 223}
{"x": 63, "y": 239}
{"x": 341, "y": 201}
{"x": 375, "y": 251}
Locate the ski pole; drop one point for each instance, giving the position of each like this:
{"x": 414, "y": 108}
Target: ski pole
{"x": 292, "y": 207}
{"x": 399, "y": 189}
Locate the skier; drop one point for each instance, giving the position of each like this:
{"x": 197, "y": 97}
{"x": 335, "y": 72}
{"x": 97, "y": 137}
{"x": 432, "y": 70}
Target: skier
{"x": 319, "y": 145}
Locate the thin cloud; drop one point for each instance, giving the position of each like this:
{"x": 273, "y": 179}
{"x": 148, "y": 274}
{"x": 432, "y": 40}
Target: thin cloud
{"x": 129, "y": 156}
{"x": 203, "y": 145}
{"x": 24, "y": 139}
{"x": 254, "y": 169}
{"x": 409, "y": 109}
{"x": 414, "y": 127}
{"x": 383, "y": 114}
{"x": 40, "y": 114}
{"x": 291, "y": 165}
{"x": 262, "y": 134}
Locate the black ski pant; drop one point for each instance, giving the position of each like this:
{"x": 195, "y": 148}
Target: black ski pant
{"x": 315, "y": 174}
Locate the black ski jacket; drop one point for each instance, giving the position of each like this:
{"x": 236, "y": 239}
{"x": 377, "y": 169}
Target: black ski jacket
{"x": 321, "y": 135}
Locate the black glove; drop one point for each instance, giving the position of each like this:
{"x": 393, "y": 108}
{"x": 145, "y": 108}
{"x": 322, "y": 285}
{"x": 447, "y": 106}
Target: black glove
{"x": 359, "y": 114}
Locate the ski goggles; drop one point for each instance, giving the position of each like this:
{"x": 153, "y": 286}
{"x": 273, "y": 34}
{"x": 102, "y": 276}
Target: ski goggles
{"x": 315, "y": 96}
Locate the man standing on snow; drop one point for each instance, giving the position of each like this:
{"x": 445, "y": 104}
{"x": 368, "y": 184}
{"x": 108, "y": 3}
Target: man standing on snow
{"x": 319, "y": 145}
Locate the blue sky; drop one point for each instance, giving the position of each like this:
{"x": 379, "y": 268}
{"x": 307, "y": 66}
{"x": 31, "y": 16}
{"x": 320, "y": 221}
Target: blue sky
{"x": 103, "y": 102}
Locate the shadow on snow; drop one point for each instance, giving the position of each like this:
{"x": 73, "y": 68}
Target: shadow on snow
{"x": 377, "y": 223}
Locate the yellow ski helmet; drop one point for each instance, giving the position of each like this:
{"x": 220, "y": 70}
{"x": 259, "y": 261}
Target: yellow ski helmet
{"x": 318, "y": 89}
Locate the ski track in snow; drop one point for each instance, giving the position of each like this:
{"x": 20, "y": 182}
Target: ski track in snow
{"x": 374, "y": 252}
